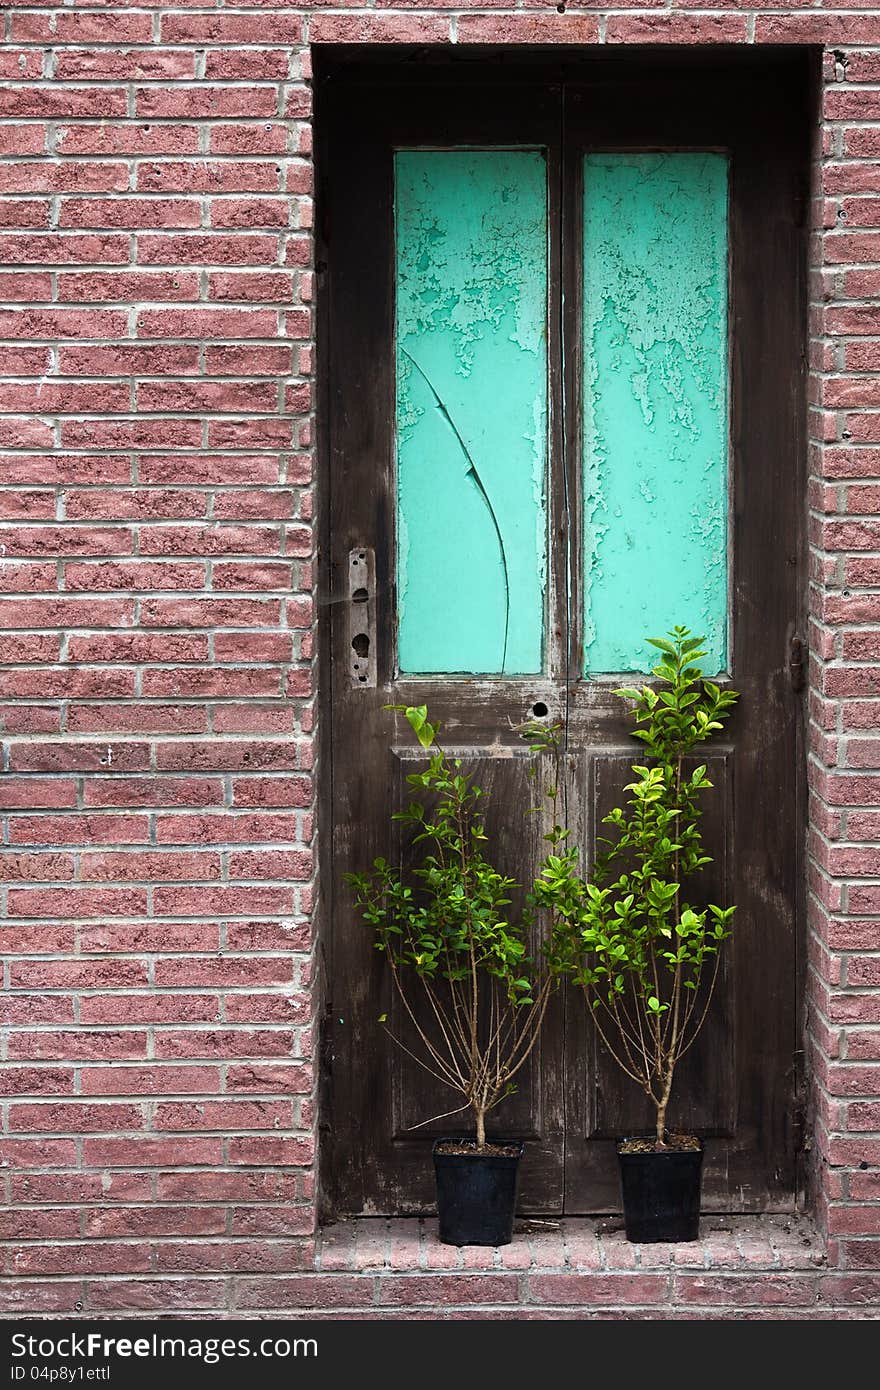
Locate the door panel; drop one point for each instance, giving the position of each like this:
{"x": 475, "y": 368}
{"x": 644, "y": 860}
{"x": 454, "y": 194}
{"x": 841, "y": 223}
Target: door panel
{"x": 758, "y": 126}
{"x": 439, "y": 583}
{"x": 407, "y": 422}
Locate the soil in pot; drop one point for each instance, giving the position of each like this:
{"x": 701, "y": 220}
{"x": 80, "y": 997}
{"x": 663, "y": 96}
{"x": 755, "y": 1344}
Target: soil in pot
{"x": 661, "y": 1188}
{"x": 476, "y": 1191}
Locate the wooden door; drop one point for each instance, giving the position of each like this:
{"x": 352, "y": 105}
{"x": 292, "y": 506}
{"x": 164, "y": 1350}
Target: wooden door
{"x": 561, "y": 318}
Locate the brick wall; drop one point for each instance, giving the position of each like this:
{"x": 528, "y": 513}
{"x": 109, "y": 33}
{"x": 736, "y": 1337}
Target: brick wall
{"x": 156, "y": 569}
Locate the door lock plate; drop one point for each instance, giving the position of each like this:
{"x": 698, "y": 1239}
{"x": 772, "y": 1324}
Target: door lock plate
{"x": 362, "y": 617}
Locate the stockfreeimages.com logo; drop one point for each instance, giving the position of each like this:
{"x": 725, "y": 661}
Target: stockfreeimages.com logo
{"x": 210, "y": 1350}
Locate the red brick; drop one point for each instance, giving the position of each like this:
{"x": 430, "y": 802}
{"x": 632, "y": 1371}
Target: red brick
{"x": 154, "y": 791}
{"x": 125, "y": 138}
{"x": 241, "y": 138}
{"x": 61, "y": 249}
{"x": 861, "y": 1220}
{"x": 214, "y": 540}
{"x": 269, "y": 755}
{"x": 207, "y": 249}
{"x": 232, "y": 1115}
{"x": 105, "y": 1258}
{"x": 31, "y": 1009}
{"x": 272, "y": 1150}
{"x": 150, "y": 866}
{"x": 863, "y": 1044}
{"x": 63, "y": 323}
{"x": 224, "y": 827}
{"x": 30, "y": 1296}
{"x": 26, "y": 285}
{"x": 103, "y": 974}
{"x": 156, "y": 1295}
{"x": 36, "y": 868}
{"x": 143, "y": 433}
{"x": 60, "y": 103}
{"x": 853, "y": 1290}
{"x": 250, "y": 212}
{"x": 848, "y": 1080}
{"x": 249, "y": 1256}
{"x": 77, "y": 1118}
{"x": 31, "y": 1223}
{"x": 148, "y": 936}
{"x": 272, "y": 1221}
{"x": 864, "y": 899}
{"x": 64, "y": 27}
{"x": 24, "y": 139}
{"x": 234, "y": 1043}
{"x": 146, "y": 1152}
{"x": 379, "y": 28}
{"x": 125, "y": 286}
{"x": 149, "y": 1008}
{"x": 81, "y": 1187}
{"x": 37, "y": 1153}
{"x": 31, "y": 792}
{"x": 123, "y": 65}
{"x": 75, "y": 902}
{"x": 237, "y": 1186}
{"x": 202, "y": 103}
{"x": 268, "y": 936}
{"x": 267, "y": 1078}
{"x": 32, "y": 434}
{"x": 207, "y": 396}
{"x": 36, "y": 1081}
{"x": 31, "y": 176}
{"x": 73, "y": 829}
{"x": 784, "y": 1290}
{"x": 80, "y": 757}
{"x": 306, "y": 1291}
{"x": 264, "y": 28}
{"x": 147, "y": 1221}
{"x": 243, "y": 1007}
{"x": 253, "y": 646}
{"x": 126, "y": 360}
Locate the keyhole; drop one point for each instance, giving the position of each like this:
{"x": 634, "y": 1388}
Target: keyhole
{"x": 361, "y": 644}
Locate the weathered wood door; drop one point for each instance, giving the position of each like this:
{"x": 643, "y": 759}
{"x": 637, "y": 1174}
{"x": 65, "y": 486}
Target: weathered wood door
{"x": 562, "y": 387}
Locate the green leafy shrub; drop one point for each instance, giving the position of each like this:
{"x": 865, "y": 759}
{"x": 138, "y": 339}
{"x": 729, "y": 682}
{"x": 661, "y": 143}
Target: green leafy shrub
{"x": 446, "y": 929}
{"x": 646, "y": 958}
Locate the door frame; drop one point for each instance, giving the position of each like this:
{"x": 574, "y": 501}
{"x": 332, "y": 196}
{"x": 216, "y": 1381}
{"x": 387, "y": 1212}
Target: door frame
{"x": 365, "y": 68}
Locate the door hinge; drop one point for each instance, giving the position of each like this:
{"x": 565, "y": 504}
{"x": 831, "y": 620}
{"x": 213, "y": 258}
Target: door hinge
{"x": 797, "y": 661}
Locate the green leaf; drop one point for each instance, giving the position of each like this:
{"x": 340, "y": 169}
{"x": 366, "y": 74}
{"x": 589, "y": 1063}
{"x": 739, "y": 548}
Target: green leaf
{"x": 417, "y": 716}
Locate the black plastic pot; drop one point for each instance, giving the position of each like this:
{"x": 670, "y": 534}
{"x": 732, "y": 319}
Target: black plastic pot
{"x": 476, "y": 1194}
{"x": 661, "y": 1194}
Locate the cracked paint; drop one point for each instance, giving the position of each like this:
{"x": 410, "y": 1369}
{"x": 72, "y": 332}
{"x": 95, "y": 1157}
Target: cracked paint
{"x": 471, "y": 295}
{"x": 655, "y": 405}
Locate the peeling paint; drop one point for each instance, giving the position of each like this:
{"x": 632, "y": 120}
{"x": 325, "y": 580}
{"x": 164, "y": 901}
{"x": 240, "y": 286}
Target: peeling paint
{"x": 471, "y": 302}
{"x": 655, "y": 404}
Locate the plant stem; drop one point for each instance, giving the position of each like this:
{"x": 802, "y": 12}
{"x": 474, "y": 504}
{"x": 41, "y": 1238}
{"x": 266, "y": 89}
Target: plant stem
{"x": 480, "y": 1113}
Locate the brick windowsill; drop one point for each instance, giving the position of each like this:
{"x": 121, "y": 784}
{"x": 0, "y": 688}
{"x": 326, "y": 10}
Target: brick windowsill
{"x": 744, "y": 1267}
{"x": 571, "y": 1245}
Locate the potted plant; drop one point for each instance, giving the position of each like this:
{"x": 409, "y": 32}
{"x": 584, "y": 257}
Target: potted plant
{"x": 647, "y": 958}
{"x": 473, "y": 992}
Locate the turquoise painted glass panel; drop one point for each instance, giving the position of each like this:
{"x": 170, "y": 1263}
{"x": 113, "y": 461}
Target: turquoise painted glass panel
{"x": 471, "y": 304}
{"x": 655, "y": 441}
